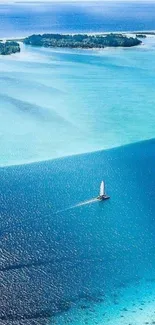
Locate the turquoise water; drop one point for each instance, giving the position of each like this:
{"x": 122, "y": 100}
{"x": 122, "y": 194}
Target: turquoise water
{"x": 64, "y": 259}
{"x": 56, "y": 102}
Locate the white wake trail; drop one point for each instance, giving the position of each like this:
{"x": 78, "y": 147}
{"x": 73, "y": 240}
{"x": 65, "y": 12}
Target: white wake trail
{"x": 85, "y": 203}
{"x": 79, "y": 205}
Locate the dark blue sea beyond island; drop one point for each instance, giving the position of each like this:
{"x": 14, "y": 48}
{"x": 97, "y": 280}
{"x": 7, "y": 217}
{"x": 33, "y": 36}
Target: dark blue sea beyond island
{"x": 70, "y": 118}
{"x": 98, "y": 16}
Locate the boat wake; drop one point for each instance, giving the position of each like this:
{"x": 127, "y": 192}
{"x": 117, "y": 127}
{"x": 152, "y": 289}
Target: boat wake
{"x": 79, "y": 205}
{"x": 102, "y": 196}
{"x": 86, "y": 202}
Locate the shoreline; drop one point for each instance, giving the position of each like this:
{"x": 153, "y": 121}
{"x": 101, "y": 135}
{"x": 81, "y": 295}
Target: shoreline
{"x": 83, "y": 41}
{"x": 127, "y": 35}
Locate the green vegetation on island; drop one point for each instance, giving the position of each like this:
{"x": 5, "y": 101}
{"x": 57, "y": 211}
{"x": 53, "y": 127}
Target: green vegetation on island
{"x": 140, "y": 36}
{"x": 9, "y": 47}
{"x": 84, "y": 41}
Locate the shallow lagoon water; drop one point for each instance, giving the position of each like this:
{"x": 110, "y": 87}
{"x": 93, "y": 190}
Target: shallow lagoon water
{"x": 132, "y": 304}
{"x": 61, "y": 102}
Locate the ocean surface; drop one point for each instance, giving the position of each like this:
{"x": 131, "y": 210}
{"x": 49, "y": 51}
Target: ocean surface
{"x": 66, "y": 258}
{"x": 57, "y": 253}
{"x": 86, "y": 16}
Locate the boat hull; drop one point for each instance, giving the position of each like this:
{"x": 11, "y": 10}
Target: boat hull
{"x": 103, "y": 197}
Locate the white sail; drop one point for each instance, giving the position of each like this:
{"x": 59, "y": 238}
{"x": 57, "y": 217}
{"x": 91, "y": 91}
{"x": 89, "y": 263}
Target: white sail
{"x": 102, "y": 189}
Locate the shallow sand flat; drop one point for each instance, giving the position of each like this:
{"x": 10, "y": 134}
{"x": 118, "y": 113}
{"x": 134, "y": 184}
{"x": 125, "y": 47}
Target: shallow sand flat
{"x": 132, "y": 305}
{"x": 37, "y": 92}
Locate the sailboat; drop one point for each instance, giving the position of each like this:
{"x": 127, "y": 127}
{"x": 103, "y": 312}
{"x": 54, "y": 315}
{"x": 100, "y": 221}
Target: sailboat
{"x": 102, "y": 196}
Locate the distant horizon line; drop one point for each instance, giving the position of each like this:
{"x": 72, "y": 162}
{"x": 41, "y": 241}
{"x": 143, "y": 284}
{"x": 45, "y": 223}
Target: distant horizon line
{"x": 80, "y": 2}
{"x": 69, "y": 1}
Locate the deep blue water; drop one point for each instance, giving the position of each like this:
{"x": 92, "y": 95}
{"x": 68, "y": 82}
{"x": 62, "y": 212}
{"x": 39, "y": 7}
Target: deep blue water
{"x": 24, "y": 19}
{"x": 51, "y": 254}
{"x": 52, "y": 251}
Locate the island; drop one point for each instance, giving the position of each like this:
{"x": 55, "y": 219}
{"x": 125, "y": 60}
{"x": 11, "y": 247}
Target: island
{"x": 9, "y": 47}
{"x": 84, "y": 41}
{"x": 140, "y": 36}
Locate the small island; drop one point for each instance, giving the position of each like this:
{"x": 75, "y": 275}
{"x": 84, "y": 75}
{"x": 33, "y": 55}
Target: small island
{"x": 140, "y": 35}
{"x": 84, "y": 41}
{"x": 9, "y": 47}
